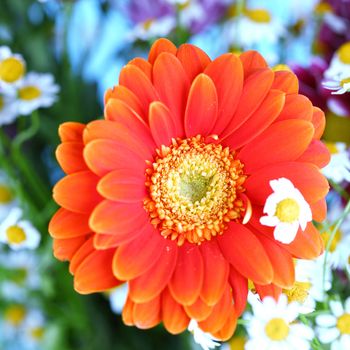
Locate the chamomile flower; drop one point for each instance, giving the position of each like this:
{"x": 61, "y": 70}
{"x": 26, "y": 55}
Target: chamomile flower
{"x": 205, "y": 340}
{"x": 338, "y": 169}
{"x": 334, "y": 328}
{"x": 117, "y": 298}
{"x": 12, "y": 68}
{"x": 13, "y": 318}
{"x": 18, "y": 233}
{"x": 7, "y": 199}
{"x": 337, "y": 85}
{"x": 339, "y": 68}
{"x": 8, "y": 108}
{"x": 286, "y": 210}
{"x": 273, "y": 326}
{"x": 34, "y": 328}
{"x": 34, "y": 91}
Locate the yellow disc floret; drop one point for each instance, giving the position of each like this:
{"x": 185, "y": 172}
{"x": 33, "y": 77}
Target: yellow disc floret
{"x": 15, "y": 234}
{"x": 343, "y": 324}
{"x": 11, "y": 69}
{"x": 258, "y": 15}
{"x": 344, "y": 53}
{"x": 193, "y": 190}
{"x": 6, "y": 195}
{"x": 288, "y": 210}
{"x": 299, "y": 292}
{"x": 29, "y": 93}
{"x": 277, "y": 329}
{"x": 15, "y": 314}
{"x": 326, "y": 236}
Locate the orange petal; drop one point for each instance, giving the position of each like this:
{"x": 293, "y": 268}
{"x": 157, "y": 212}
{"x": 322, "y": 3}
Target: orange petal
{"x": 317, "y": 153}
{"x": 127, "y": 314}
{"x": 64, "y": 249}
{"x": 239, "y": 285}
{"x": 77, "y": 192}
{"x": 219, "y": 314}
{"x": 172, "y": 84}
{"x": 137, "y": 82}
{"x": 104, "y": 156}
{"x": 199, "y": 310}
{"x": 117, "y": 218}
{"x": 105, "y": 241}
{"x": 174, "y": 317}
{"x": 296, "y": 107}
{"x": 187, "y": 280}
{"x": 281, "y": 260}
{"x": 71, "y": 131}
{"x": 122, "y": 185}
{"x": 95, "y": 273}
{"x": 161, "y": 123}
{"x": 70, "y": 157}
{"x": 255, "y": 89}
{"x": 152, "y": 283}
{"x": 147, "y": 315}
{"x": 66, "y": 224}
{"x": 193, "y": 59}
{"x": 138, "y": 256}
{"x": 267, "y": 112}
{"x": 244, "y": 251}
{"x": 128, "y": 97}
{"x": 281, "y": 142}
{"x": 305, "y": 177}
{"x": 229, "y": 327}
{"x": 83, "y": 252}
{"x": 202, "y": 107}
{"x": 144, "y": 65}
{"x": 319, "y": 121}
{"x": 319, "y": 210}
{"x": 216, "y": 270}
{"x": 251, "y": 61}
{"x": 227, "y": 74}
{"x": 286, "y": 81}
{"x": 269, "y": 290}
{"x": 159, "y": 46}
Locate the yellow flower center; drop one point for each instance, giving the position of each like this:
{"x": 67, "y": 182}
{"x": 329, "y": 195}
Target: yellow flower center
{"x": 277, "y": 329}
{"x": 344, "y": 53}
{"x": 193, "y": 190}
{"x": 15, "y": 314}
{"x": 288, "y": 210}
{"x": 322, "y": 8}
{"x": 336, "y": 239}
{"x": 11, "y": 69}
{"x": 2, "y": 103}
{"x": 343, "y": 324}
{"x": 15, "y": 234}
{"x": 5, "y": 193}
{"x": 37, "y": 333}
{"x": 332, "y": 147}
{"x": 29, "y": 93}
{"x": 299, "y": 292}
{"x": 147, "y": 24}
{"x": 237, "y": 343}
{"x": 345, "y": 81}
{"x": 258, "y": 15}
{"x": 184, "y": 5}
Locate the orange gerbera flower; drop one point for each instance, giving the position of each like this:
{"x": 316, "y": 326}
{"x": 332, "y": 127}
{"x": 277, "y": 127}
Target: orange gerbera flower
{"x": 167, "y": 192}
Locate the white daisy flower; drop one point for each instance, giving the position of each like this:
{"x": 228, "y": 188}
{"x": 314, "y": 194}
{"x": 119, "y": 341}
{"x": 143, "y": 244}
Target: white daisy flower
{"x": 334, "y": 328}
{"x": 7, "y": 199}
{"x": 153, "y": 28}
{"x": 8, "y": 108}
{"x": 36, "y": 90}
{"x": 117, "y": 298}
{"x": 12, "y": 68}
{"x": 338, "y": 169}
{"x": 205, "y": 340}
{"x": 338, "y": 86}
{"x": 34, "y": 328}
{"x": 18, "y": 233}
{"x": 286, "y": 210}
{"x": 273, "y": 326}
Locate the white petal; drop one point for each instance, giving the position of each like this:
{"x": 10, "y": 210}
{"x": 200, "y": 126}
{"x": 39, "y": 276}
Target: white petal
{"x": 285, "y": 232}
{"x": 336, "y": 307}
{"x": 326, "y": 320}
{"x": 270, "y": 221}
{"x": 327, "y": 336}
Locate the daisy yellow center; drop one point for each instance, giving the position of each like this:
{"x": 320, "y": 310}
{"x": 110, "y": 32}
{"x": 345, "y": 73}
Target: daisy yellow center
{"x": 2, "y": 103}
{"x": 336, "y": 239}
{"x": 37, "y": 333}
{"x": 332, "y": 147}
{"x": 11, "y": 69}
{"x": 344, "y": 53}
{"x": 277, "y": 329}
{"x": 343, "y": 324}
{"x": 344, "y": 81}
{"x": 29, "y": 93}
{"x": 237, "y": 343}
{"x": 147, "y": 24}
{"x": 193, "y": 190}
{"x": 258, "y": 15}
{"x": 299, "y": 292}
{"x": 15, "y": 235}
{"x": 15, "y": 314}
{"x": 322, "y": 8}
{"x": 5, "y": 194}
{"x": 287, "y": 210}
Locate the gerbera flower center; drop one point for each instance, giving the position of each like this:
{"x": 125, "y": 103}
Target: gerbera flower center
{"x": 5, "y": 194}
{"x": 336, "y": 239}
{"x": 194, "y": 190}
{"x": 299, "y": 292}
{"x": 11, "y": 69}
{"x": 15, "y": 235}
{"x": 29, "y": 93}
{"x": 343, "y": 324}
{"x": 15, "y": 314}
{"x": 288, "y": 210}
{"x": 277, "y": 329}
{"x": 344, "y": 53}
